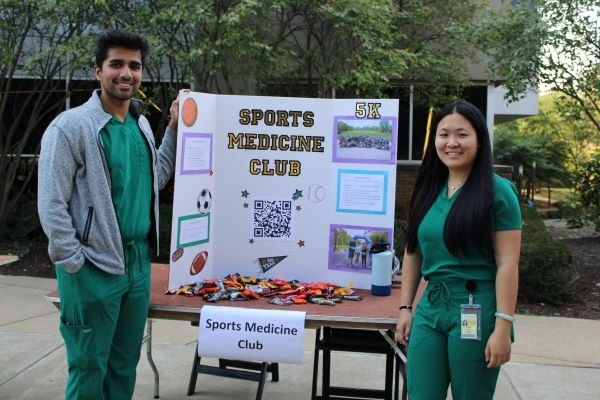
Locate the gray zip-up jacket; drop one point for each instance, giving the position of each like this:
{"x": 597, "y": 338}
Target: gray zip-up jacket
{"x": 74, "y": 187}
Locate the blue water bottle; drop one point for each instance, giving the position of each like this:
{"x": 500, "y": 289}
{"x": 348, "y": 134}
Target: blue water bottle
{"x": 381, "y": 270}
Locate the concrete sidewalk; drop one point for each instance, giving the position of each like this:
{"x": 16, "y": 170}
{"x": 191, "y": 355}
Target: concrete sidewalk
{"x": 553, "y": 358}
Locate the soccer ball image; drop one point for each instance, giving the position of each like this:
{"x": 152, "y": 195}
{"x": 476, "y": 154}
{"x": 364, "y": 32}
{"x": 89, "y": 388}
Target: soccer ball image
{"x": 204, "y": 201}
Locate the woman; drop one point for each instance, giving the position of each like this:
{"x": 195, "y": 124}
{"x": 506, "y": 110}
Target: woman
{"x": 357, "y": 253}
{"x": 464, "y": 237}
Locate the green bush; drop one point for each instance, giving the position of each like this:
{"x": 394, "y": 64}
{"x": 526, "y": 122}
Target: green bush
{"x": 589, "y": 188}
{"x": 545, "y": 273}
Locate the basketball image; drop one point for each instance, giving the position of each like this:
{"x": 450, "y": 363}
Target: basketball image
{"x": 204, "y": 201}
{"x": 189, "y": 112}
{"x": 198, "y": 263}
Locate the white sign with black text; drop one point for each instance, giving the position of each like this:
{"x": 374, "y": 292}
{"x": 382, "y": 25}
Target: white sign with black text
{"x": 251, "y": 334}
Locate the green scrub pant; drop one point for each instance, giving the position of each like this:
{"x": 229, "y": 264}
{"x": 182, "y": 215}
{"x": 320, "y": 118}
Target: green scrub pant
{"x": 437, "y": 356}
{"x": 102, "y": 323}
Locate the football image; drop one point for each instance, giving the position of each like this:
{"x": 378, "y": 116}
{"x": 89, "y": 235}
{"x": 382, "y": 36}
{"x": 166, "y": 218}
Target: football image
{"x": 177, "y": 254}
{"x": 198, "y": 263}
{"x": 204, "y": 201}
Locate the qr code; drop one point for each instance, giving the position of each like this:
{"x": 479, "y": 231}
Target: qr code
{"x": 272, "y": 219}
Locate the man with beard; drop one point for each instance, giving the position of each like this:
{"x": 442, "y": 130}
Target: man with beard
{"x": 99, "y": 176}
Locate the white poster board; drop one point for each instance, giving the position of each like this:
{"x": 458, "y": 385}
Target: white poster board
{"x": 293, "y": 188}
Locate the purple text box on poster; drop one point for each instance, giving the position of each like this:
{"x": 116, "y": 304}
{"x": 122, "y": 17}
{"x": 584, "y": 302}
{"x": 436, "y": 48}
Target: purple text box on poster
{"x": 186, "y": 144}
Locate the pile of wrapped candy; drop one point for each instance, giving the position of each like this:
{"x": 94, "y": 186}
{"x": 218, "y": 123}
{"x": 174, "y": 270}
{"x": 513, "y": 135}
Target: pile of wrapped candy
{"x": 235, "y": 287}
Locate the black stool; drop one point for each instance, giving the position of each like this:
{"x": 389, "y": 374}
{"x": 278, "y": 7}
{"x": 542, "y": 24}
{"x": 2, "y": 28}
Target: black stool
{"x": 248, "y": 370}
{"x": 359, "y": 341}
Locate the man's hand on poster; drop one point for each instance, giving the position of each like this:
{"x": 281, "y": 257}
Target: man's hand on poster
{"x": 174, "y": 112}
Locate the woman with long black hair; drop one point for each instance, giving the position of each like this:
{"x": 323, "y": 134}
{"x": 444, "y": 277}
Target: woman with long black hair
{"x": 464, "y": 237}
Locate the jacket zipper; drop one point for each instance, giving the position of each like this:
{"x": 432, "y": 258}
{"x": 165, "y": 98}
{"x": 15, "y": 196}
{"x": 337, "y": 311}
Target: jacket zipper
{"x": 88, "y": 225}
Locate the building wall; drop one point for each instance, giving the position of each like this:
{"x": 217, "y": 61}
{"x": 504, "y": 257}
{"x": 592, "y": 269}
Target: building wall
{"x": 406, "y": 177}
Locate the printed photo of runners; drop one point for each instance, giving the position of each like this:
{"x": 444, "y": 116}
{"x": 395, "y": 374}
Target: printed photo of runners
{"x": 368, "y": 140}
{"x": 351, "y": 246}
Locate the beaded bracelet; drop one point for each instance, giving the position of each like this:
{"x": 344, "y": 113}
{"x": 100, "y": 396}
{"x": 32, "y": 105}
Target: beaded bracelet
{"x": 506, "y": 317}
{"x": 405, "y": 307}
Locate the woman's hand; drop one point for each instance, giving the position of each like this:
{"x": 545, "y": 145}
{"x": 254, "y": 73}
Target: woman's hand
{"x": 403, "y": 327}
{"x": 497, "y": 349}
{"x": 507, "y": 246}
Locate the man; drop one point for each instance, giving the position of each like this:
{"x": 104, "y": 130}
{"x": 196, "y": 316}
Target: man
{"x": 99, "y": 176}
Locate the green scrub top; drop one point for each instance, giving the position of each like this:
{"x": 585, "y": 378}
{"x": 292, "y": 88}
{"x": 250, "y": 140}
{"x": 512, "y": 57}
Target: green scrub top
{"x": 128, "y": 159}
{"x": 438, "y": 262}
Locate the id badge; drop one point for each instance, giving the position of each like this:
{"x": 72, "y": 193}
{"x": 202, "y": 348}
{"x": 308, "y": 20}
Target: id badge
{"x": 470, "y": 321}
